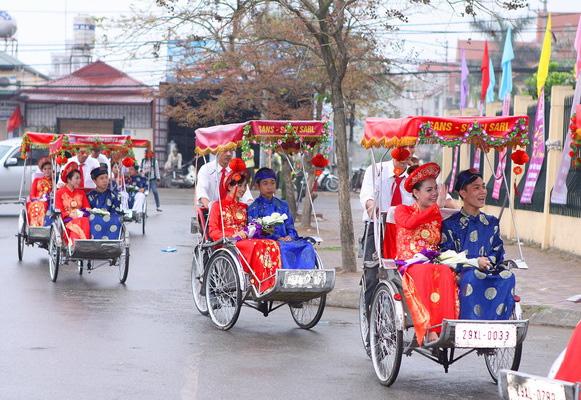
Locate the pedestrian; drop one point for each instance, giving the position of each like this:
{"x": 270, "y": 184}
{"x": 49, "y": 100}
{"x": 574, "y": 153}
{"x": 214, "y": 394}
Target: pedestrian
{"x": 150, "y": 169}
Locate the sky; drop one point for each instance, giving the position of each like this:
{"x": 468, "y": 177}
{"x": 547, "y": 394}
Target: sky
{"x": 45, "y": 26}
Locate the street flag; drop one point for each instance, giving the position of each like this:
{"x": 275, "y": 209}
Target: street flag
{"x": 538, "y": 155}
{"x": 507, "y": 57}
{"x": 578, "y": 48}
{"x": 492, "y": 80}
{"x": 485, "y": 71}
{"x": 15, "y": 120}
{"x": 464, "y": 84}
{"x": 543, "y": 70}
{"x": 560, "y": 191}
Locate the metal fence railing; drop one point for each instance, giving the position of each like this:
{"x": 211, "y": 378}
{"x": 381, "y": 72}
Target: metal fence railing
{"x": 573, "y": 206}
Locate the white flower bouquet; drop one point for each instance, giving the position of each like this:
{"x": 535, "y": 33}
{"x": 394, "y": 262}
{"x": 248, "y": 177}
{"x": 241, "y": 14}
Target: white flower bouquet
{"x": 268, "y": 222}
{"x": 99, "y": 211}
{"x": 452, "y": 258}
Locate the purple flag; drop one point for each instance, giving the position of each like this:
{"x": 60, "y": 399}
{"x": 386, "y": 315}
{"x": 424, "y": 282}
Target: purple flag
{"x": 538, "y": 152}
{"x": 499, "y": 177}
{"x": 464, "y": 85}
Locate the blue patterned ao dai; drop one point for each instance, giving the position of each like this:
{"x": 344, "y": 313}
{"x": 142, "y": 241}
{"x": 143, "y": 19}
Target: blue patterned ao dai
{"x": 483, "y": 295}
{"x": 105, "y": 226}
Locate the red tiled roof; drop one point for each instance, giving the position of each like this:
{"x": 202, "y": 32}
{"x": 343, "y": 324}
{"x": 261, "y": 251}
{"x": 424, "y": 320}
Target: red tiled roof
{"x": 96, "y": 98}
{"x": 97, "y": 82}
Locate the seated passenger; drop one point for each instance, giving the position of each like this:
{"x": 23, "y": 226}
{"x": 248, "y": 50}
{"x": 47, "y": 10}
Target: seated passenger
{"x": 40, "y": 192}
{"x": 486, "y": 291}
{"x": 136, "y": 185}
{"x": 296, "y": 253}
{"x": 72, "y": 203}
{"x": 106, "y": 226}
{"x": 429, "y": 289}
{"x": 228, "y": 218}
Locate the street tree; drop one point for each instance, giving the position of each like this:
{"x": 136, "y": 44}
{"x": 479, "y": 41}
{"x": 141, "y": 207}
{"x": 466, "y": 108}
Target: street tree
{"x": 332, "y": 31}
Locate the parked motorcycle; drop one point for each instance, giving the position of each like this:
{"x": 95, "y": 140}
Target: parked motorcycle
{"x": 177, "y": 178}
{"x": 327, "y": 181}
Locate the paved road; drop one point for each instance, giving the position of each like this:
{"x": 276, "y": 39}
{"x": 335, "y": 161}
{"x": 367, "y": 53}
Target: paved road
{"x": 87, "y": 337}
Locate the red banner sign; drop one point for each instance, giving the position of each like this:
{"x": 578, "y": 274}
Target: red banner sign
{"x": 304, "y": 129}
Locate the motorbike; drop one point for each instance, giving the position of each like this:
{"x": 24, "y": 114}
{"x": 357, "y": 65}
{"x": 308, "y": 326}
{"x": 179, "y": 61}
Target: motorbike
{"x": 177, "y": 177}
{"x": 327, "y": 181}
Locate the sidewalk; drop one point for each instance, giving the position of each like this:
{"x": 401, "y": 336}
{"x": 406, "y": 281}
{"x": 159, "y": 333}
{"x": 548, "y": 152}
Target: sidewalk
{"x": 552, "y": 276}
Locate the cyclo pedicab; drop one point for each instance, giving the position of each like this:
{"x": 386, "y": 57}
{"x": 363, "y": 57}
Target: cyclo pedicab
{"x": 88, "y": 253}
{"x": 140, "y": 218}
{"x": 222, "y": 279}
{"x": 391, "y": 328}
{"x": 34, "y": 235}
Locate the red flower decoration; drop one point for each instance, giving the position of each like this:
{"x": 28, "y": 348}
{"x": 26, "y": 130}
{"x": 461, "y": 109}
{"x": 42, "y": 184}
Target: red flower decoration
{"x": 400, "y": 154}
{"x": 128, "y": 162}
{"x": 571, "y": 154}
{"x": 319, "y": 161}
{"x": 517, "y": 170}
{"x": 61, "y": 160}
{"x": 520, "y": 157}
{"x": 237, "y": 165}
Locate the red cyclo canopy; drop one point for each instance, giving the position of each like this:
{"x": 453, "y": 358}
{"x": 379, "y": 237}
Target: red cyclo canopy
{"x": 494, "y": 132}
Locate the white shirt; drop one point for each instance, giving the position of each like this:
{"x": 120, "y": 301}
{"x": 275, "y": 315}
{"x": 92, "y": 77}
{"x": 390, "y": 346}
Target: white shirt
{"x": 102, "y": 159}
{"x": 384, "y": 188}
{"x": 208, "y": 180}
{"x": 89, "y": 165}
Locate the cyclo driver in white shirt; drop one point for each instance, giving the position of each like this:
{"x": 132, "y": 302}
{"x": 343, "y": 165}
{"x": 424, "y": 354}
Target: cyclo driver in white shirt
{"x": 209, "y": 177}
{"x": 384, "y": 190}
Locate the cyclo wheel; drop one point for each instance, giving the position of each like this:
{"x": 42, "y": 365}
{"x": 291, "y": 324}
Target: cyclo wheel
{"x": 198, "y": 280}
{"x": 308, "y": 313}
{"x": 54, "y": 254}
{"x": 386, "y": 341}
{"x": 123, "y": 260}
{"x": 21, "y": 234}
{"x": 504, "y": 358}
{"x": 363, "y": 321}
{"x": 223, "y": 292}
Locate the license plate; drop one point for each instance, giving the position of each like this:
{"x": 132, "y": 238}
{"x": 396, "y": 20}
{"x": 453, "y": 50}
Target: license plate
{"x": 531, "y": 388}
{"x": 491, "y": 336}
{"x": 305, "y": 279}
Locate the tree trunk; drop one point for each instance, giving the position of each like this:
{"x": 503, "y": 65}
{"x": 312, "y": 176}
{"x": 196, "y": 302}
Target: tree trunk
{"x": 346, "y": 217}
{"x": 307, "y": 215}
{"x": 289, "y": 195}
{"x": 351, "y": 122}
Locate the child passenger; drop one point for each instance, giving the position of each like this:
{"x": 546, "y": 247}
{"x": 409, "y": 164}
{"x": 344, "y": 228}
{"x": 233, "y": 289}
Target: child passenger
{"x": 296, "y": 253}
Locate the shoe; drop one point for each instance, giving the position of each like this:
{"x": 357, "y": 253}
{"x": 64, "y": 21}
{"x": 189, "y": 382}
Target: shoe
{"x": 159, "y": 210}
